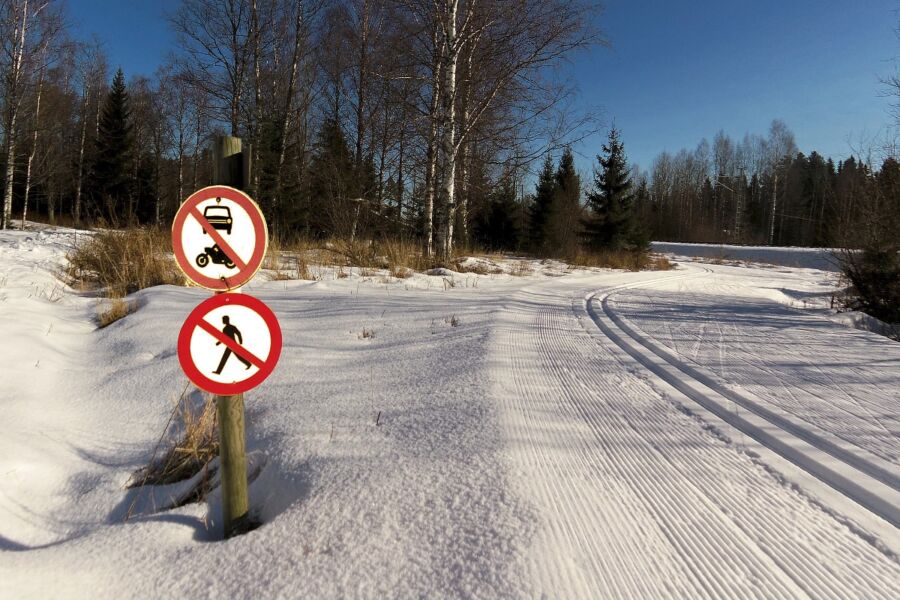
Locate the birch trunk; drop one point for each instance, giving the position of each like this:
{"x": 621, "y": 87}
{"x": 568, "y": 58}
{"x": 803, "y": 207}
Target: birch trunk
{"x": 400, "y": 184}
{"x": 34, "y": 142}
{"x": 12, "y": 100}
{"x": 448, "y": 137}
{"x": 257, "y": 106}
{"x": 286, "y": 120}
{"x": 362, "y": 74}
{"x": 80, "y": 178}
{"x": 431, "y": 153}
{"x": 774, "y": 206}
{"x": 180, "y": 163}
{"x": 464, "y": 150}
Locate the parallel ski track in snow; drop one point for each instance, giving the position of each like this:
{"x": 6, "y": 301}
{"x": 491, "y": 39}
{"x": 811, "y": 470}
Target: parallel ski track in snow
{"x": 863, "y": 479}
{"x": 640, "y": 502}
{"x": 852, "y": 415}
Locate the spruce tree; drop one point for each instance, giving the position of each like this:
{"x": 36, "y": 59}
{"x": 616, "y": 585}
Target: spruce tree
{"x": 612, "y": 224}
{"x": 498, "y": 228}
{"x": 110, "y": 176}
{"x": 540, "y": 209}
{"x": 331, "y": 182}
{"x": 566, "y": 212}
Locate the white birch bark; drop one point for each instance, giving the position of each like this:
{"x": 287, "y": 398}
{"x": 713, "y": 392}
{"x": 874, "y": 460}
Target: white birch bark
{"x": 448, "y": 137}
{"x": 34, "y": 145}
{"x": 12, "y": 108}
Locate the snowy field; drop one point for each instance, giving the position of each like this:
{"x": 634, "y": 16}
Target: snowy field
{"x": 706, "y": 432}
{"x": 809, "y": 258}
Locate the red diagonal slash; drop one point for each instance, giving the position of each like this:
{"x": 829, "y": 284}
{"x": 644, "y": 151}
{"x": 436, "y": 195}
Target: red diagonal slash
{"x": 230, "y": 343}
{"x": 218, "y": 239}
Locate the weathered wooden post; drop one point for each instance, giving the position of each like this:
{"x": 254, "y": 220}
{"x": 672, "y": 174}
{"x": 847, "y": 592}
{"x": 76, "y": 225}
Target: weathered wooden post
{"x": 232, "y": 167}
{"x": 219, "y": 239}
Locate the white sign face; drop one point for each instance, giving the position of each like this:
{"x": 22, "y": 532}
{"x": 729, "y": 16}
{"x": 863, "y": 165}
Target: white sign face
{"x": 219, "y": 238}
{"x": 216, "y": 360}
{"x": 233, "y": 224}
{"x": 229, "y": 343}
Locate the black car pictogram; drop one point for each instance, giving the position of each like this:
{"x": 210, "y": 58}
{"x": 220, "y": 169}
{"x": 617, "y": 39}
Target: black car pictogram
{"x": 219, "y": 217}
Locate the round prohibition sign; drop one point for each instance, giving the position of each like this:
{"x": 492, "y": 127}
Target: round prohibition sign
{"x": 219, "y": 237}
{"x": 249, "y": 344}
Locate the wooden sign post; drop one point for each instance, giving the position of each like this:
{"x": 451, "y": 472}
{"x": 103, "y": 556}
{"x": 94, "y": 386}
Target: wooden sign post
{"x": 219, "y": 237}
{"x": 228, "y": 169}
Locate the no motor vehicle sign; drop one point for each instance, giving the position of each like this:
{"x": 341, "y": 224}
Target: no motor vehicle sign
{"x": 219, "y": 238}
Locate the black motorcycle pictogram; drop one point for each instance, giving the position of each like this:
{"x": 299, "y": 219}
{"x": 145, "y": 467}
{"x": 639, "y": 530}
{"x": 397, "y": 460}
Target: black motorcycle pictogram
{"x": 215, "y": 254}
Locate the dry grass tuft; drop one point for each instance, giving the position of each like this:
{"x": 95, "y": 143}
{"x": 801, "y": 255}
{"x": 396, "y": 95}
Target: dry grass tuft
{"x": 125, "y": 261}
{"x": 366, "y": 334}
{"x": 118, "y": 308}
{"x": 400, "y": 257}
{"x": 660, "y": 263}
{"x": 399, "y": 272}
{"x": 479, "y": 267}
{"x": 274, "y": 251}
{"x": 611, "y": 259}
{"x": 197, "y": 446}
{"x": 301, "y": 267}
{"x": 398, "y": 254}
{"x": 522, "y": 268}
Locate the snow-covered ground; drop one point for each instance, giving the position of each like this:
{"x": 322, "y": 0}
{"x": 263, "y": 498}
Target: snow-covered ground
{"x": 703, "y": 432}
{"x": 810, "y": 258}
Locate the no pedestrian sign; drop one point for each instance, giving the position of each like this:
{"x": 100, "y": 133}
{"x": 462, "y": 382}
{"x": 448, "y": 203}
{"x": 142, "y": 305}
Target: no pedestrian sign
{"x": 229, "y": 344}
{"x": 219, "y": 237}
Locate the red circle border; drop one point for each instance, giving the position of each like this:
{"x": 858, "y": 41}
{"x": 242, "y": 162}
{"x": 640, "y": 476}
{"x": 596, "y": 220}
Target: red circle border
{"x": 259, "y": 228}
{"x": 190, "y": 324}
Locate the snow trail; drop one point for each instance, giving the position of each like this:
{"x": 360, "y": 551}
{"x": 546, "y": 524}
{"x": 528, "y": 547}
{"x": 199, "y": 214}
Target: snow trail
{"x": 630, "y": 485}
{"x": 488, "y": 441}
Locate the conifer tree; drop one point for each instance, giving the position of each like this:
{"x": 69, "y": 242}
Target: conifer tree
{"x": 331, "y": 181}
{"x": 612, "y": 225}
{"x": 566, "y": 212}
{"x": 110, "y": 178}
{"x": 338, "y": 188}
{"x": 540, "y": 210}
{"x": 499, "y": 227}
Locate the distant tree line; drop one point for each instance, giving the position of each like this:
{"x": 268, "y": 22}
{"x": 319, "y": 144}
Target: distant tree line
{"x": 413, "y": 118}
{"x": 423, "y": 119}
{"x": 762, "y": 190}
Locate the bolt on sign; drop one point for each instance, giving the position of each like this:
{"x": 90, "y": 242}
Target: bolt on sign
{"x": 231, "y": 342}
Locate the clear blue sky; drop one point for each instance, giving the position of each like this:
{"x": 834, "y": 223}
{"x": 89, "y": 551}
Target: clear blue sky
{"x": 677, "y": 70}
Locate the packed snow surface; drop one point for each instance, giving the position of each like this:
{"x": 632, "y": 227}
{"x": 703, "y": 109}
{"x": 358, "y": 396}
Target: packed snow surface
{"x": 705, "y": 432}
{"x": 824, "y": 259}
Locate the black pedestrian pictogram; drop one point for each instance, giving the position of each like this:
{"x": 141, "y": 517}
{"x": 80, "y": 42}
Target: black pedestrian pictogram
{"x": 235, "y": 334}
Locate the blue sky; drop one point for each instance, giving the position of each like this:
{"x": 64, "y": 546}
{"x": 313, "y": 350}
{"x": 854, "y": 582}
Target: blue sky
{"x": 676, "y": 70}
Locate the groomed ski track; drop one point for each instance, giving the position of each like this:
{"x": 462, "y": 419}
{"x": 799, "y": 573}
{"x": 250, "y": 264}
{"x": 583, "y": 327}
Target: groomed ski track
{"x": 643, "y": 494}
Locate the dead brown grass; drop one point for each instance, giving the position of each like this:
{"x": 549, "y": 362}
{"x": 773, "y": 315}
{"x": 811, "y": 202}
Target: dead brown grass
{"x": 196, "y": 447}
{"x": 659, "y": 262}
{"x": 399, "y": 272}
{"x": 123, "y": 261}
{"x": 612, "y": 259}
{"x": 117, "y": 309}
{"x": 522, "y": 268}
{"x": 479, "y": 267}
{"x": 400, "y": 257}
{"x": 403, "y": 254}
